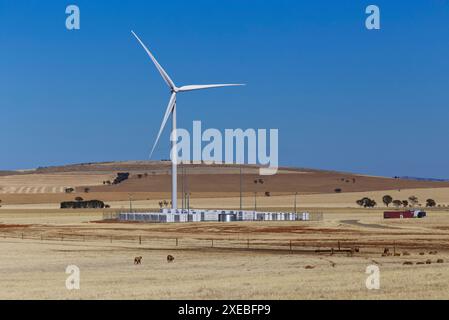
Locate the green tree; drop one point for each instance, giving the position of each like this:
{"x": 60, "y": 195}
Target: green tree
{"x": 413, "y": 200}
{"x": 397, "y": 203}
{"x": 366, "y": 202}
{"x": 430, "y": 203}
{"x": 387, "y": 199}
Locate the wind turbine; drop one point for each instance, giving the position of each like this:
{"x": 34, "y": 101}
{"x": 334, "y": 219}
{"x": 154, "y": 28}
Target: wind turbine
{"x": 171, "y": 110}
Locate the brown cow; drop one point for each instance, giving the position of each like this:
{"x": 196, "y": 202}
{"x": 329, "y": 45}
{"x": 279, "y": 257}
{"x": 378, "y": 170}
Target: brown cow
{"x": 138, "y": 260}
{"x": 170, "y": 258}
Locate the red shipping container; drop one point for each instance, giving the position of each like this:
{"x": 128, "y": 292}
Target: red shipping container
{"x": 398, "y": 214}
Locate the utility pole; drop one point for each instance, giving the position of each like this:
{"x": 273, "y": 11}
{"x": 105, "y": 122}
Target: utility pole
{"x": 186, "y": 190}
{"x": 296, "y": 193}
{"x": 188, "y": 202}
{"x": 241, "y": 187}
{"x": 182, "y": 186}
{"x": 255, "y": 201}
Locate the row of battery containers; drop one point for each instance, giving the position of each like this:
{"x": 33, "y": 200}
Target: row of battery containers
{"x": 212, "y": 215}
{"x": 209, "y": 215}
{"x": 160, "y": 217}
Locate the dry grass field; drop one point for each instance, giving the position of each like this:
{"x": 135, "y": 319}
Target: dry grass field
{"x": 150, "y": 181}
{"x": 241, "y": 260}
{"x": 34, "y": 267}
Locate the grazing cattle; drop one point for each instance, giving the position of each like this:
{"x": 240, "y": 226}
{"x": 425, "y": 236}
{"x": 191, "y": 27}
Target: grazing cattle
{"x": 386, "y": 253}
{"x": 170, "y": 258}
{"x": 440, "y": 261}
{"x": 428, "y": 261}
{"x": 138, "y": 260}
{"x": 405, "y": 253}
{"x": 433, "y": 252}
{"x": 309, "y": 267}
{"x": 408, "y": 263}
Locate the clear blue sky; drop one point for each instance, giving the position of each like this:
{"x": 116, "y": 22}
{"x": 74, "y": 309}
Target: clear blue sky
{"x": 342, "y": 97}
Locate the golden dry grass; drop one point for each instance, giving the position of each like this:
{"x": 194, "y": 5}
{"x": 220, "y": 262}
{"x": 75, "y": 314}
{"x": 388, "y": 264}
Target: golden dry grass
{"x": 213, "y": 200}
{"x": 152, "y": 181}
{"x": 36, "y": 269}
{"x": 33, "y": 270}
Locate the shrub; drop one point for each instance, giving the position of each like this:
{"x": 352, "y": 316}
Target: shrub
{"x": 430, "y": 203}
{"x": 366, "y": 202}
{"x": 397, "y": 203}
{"x": 387, "y": 200}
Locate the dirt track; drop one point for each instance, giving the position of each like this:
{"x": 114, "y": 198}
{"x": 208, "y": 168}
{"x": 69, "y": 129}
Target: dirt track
{"x": 366, "y": 225}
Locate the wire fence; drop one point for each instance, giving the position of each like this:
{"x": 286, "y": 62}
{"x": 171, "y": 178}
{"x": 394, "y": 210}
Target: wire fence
{"x": 189, "y": 243}
{"x": 322, "y": 246}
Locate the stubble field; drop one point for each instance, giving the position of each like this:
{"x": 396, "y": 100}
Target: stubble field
{"x": 228, "y": 268}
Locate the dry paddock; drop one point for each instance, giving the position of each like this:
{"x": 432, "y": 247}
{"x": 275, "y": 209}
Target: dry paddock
{"x": 34, "y": 267}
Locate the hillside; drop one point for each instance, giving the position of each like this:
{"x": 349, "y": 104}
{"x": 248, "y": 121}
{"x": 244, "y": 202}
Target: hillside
{"x": 149, "y": 179}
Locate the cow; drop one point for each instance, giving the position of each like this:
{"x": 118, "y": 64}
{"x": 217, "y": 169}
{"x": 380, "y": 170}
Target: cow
{"x": 138, "y": 260}
{"x": 170, "y": 258}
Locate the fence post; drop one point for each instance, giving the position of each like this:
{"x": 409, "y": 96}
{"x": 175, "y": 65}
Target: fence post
{"x": 339, "y": 248}
{"x": 291, "y": 247}
{"x": 22, "y": 235}
{"x": 212, "y": 243}
{"x": 176, "y": 241}
{"x": 140, "y": 239}
{"x": 394, "y": 247}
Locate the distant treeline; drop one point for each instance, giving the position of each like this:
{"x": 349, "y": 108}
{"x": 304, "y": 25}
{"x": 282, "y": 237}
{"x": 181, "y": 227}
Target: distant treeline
{"x": 90, "y": 204}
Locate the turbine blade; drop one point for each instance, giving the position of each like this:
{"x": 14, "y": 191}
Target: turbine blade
{"x": 207, "y": 86}
{"x": 161, "y": 70}
{"x": 170, "y": 106}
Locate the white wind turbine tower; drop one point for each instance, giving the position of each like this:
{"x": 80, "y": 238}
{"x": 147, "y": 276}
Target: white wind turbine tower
{"x": 171, "y": 110}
